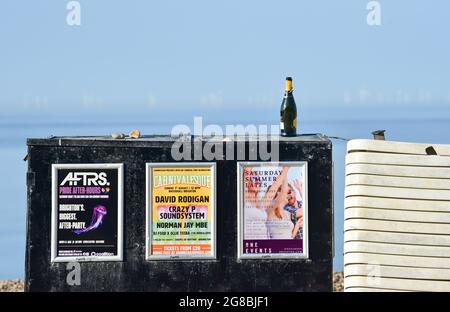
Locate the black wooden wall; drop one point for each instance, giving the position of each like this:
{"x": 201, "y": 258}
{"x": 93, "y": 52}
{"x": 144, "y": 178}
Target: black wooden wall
{"x": 135, "y": 273}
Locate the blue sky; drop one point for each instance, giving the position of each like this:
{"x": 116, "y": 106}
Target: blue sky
{"x": 146, "y": 56}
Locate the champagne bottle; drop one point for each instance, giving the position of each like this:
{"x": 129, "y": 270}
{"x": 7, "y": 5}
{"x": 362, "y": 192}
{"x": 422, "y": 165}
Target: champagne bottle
{"x": 288, "y": 112}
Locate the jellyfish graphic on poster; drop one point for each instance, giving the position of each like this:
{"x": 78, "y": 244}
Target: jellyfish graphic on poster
{"x": 98, "y": 213}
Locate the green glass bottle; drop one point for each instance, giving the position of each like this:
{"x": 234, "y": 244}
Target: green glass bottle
{"x": 288, "y": 111}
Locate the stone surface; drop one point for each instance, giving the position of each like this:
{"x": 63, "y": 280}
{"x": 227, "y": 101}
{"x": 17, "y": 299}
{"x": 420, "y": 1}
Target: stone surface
{"x": 135, "y": 134}
{"x": 11, "y": 286}
{"x": 338, "y": 281}
{"x": 118, "y": 135}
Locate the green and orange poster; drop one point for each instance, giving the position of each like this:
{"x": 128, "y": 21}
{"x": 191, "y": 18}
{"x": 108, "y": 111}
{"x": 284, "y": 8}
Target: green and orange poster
{"x": 181, "y": 210}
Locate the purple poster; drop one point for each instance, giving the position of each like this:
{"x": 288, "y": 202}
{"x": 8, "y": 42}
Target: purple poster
{"x": 273, "y": 209}
{"x": 87, "y": 212}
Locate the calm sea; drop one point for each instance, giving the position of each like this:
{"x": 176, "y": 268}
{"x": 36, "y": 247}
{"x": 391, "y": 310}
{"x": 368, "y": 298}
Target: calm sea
{"x": 419, "y": 125}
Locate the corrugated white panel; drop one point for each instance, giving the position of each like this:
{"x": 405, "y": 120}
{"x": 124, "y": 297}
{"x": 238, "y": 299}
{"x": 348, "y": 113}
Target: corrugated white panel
{"x": 393, "y": 203}
{"x": 397, "y": 260}
{"x": 368, "y": 289}
{"x": 397, "y": 238}
{"x": 396, "y": 192}
{"x": 397, "y": 217}
{"x": 375, "y": 270}
{"x": 400, "y": 171}
{"x": 406, "y": 182}
{"x": 398, "y": 249}
{"x": 393, "y": 159}
{"x": 395, "y": 147}
{"x": 395, "y": 226}
{"x": 396, "y": 283}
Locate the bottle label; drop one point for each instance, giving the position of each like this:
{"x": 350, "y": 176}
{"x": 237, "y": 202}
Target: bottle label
{"x": 294, "y": 123}
{"x": 281, "y": 125}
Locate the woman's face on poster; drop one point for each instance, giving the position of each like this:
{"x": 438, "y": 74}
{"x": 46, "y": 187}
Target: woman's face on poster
{"x": 291, "y": 197}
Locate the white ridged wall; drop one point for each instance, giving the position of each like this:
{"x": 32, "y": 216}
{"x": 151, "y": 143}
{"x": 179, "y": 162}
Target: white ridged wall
{"x": 397, "y": 217}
